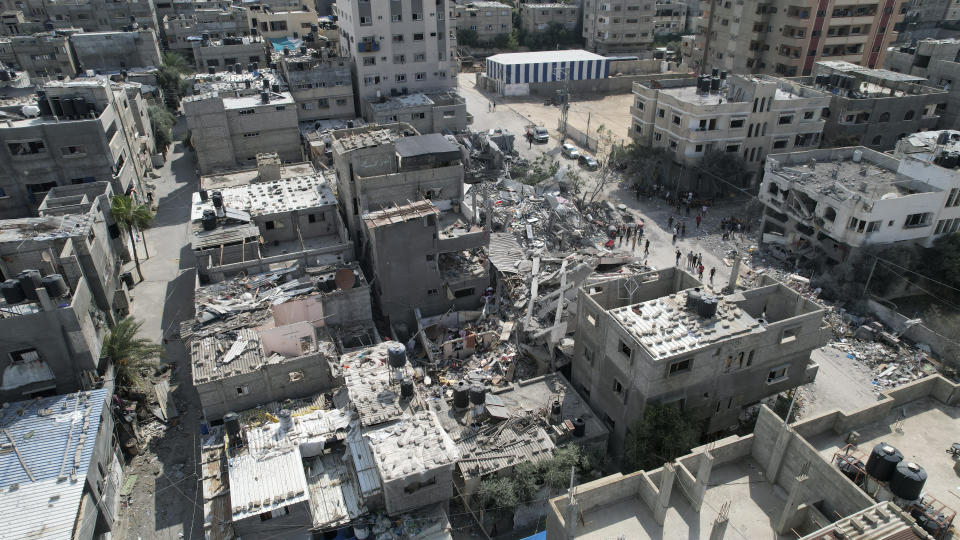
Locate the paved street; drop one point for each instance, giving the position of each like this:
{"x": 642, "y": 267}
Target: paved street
{"x": 166, "y": 502}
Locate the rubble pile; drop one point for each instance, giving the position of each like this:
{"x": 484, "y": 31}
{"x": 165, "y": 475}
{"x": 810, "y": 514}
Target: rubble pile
{"x": 891, "y": 365}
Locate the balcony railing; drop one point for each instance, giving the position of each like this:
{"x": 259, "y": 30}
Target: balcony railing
{"x": 368, "y": 46}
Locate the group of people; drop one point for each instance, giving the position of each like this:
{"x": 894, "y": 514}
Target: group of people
{"x": 695, "y": 263}
{"x": 631, "y": 232}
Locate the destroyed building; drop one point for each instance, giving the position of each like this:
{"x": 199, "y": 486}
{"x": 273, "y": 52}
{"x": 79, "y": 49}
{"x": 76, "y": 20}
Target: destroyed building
{"x": 273, "y": 219}
{"x": 877, "y": 472}
{"x": 660, "y": 338}
{"x": 60, "y": 473}
{"x": 267, "y": 337}
{"x": 830, "y": 203}
{"x": 235, "y": 115}
{"x": 935, "y": 60}
{"x": 72, "y": 132}
{"x": 872, "y": 106}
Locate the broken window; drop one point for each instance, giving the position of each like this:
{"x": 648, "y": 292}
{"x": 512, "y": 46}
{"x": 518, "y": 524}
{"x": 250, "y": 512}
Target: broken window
{"x": 625, "y": 349}
{"x": 789, "y": 335}
{"x": 243, "y": 390}
{"x": 830, "y": 214}
{"x": 463, "y": 293}
{"x": 296, "y": 376}
{"x": 681, "y": 366}
{"x": 24, "y": 355}
{"x": 777, "y": 375}
{"x": 618, "y": 388}
{"x": 275, "y": 513}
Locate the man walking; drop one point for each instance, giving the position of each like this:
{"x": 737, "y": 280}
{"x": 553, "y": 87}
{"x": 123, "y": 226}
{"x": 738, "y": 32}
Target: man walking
{"x": 677, "y": 261}
{"x": 698, "y": 220}
{"x": 646, "y": 248}
{"x": 712, "y": 272}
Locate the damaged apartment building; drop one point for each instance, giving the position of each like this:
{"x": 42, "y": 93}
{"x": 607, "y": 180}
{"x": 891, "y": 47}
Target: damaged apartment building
{"x": 937, "y": 61}
{"x": 874, "y": 107}
{"x": 830, "y": 203}
{"x": 72, "y": 132}
{"x": 401, "y": 193}
{"x": 658, "y": 338}
{"x": 235, "y": 115}
{"x": 261, "y": 219}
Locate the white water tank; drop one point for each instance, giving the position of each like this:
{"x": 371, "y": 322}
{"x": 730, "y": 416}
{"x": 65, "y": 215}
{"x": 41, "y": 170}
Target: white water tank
{"x": 857, "y": 156}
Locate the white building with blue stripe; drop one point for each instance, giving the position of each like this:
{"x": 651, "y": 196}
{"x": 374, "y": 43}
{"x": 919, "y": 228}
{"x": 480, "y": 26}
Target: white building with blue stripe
{"x": 513, "y": 73}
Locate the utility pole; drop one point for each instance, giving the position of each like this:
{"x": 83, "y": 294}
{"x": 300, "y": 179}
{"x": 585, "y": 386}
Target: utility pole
{"x": 870, "y": 276}
{"x": 706, "y": 40}
{"x": 563, "y": 99}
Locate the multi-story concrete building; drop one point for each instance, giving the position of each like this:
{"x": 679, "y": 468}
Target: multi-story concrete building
{"x": 670, "y": 17}
{"x": 767, "y": 37}
{"x": 115, "y": 51}
{"x": 874, "y": 107}
{"x": 46, "y": 55}
{"x": 932, "y": 11}
{"x": 224, "y": 53}
{"x": 277, "y": 23}
{"x": 537, "y": 17}
{"x": 90, "y": 15}
{"x": 402, "y": 195}
{"x": 657, "y": 338}
{"x": 82, "y": 131}
{"x": 936, "y": 60}
{"x": 750, "y": 115}
{"x": 235, "y": 116}
{"x": 488, "y": 19}
{"x": 398, "y": 47}
{"x": 319, "y": 81}
{"x": 827, "y": 204}
{"x": 428, "y": 113}
{"x": 618, "y": 26}
{"x": 213, "y": 23}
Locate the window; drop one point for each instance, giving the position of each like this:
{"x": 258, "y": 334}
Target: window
{"x": 618, "y": 388}
{"x": 401, "y": 77}
{"x": 463, "y": 293}
{"x": 420, "y": 76}
{"x": 738, "y": 123}
{"x": 780, "y": 144}
{"x": 398, "y": 38}
{"x": 661, "y": 113}
{"x": 953, "y": 199}
{"x": 909, "y": 115}
{"x": 418, "y": 37}
{"x": 808, "y": 115}
{"x": 246, "y": 112}
{"x": 243, "y": 390}
{"x": 419, "y": 57}
{"x": 417, "y": 16}
{"x": 432, "y": 292}
{"x": 399, "y": 59}
{"x": 680, "y": 366}
{"x": 733, "y": 148}
{"x": 275, "y": 513}
{"x": 27, "y": 148}
{"x": 777, "y": 375}
{"x": 341, "y": 101}
{"x": 698, "y": 148}
{"x": 625, "y": 349}
{"x": 789, "y": 335}
{"x": 676, "y": 120}
{"x": 917, "y": 220}
{"x": 788, "y": 119}
{"x": 369, "y": 60}
{"x": 251, "y": 134}
{"x": 75, "y": 150}
{"x": 396, "y": 18}
{"x": 657, "y": 136}
{"x": 885, "y": 117}
{"x": 24, "y": 355}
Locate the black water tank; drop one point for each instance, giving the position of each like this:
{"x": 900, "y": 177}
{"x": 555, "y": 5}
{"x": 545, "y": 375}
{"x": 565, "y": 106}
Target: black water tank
{"x": 238, "y": 68}
{"x": 209, "y": 220}
{"x": 276, "y": 88}
{"x": 217, "y": 199}
{"x": 56, "y": 107}
{"x": 266, "y": 83}
{"x": 943, "y": 137}
{"x": 478, "y": 394}
{"x": 908, "y": 480}
{"x": 4, "y": 75}
{"x": 693, "y": 300}
{"x": 406, "y": 389}
{"x": 44, "y": 105}
{"x": 715, "y": 72}
{"x": 256, "y": 66}
{"x": 30, "y": 281}
{"x": 579, "y": 427}
{"x": 265, "y": 97}
{"x": 556, "y": 408}
{"x": 883, "y": 462}
{"x": 204, "y": 195}
{"x": 231, "y": 421}
{"x": 396, "y": 355}
{"x": 715, "y": 84}
{"x": 55, "y": 286}
{"x": 708, "y": 307}
{"x": 211, "y": 70}
{"x": 723, "y": 75}
{"x": 850, "y": 466}
{"x": 250, "y": 67}
{"x": 461, "y": 395}
{"x": 248, "y": 83}
{"x": 68, "y": 110}
{"x": 12, "y": 292}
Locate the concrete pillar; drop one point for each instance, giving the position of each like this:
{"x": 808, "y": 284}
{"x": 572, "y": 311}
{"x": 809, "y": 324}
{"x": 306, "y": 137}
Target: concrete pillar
{"x": 703, "y": 478}
{"x": 573, "y": 514}
{"x": 776, "y": 456}
{"x": 666, "y": 488}
{"x": 734, "y": 274}
{"x": 793, "y": 501}
{"x": 719, "y": 528}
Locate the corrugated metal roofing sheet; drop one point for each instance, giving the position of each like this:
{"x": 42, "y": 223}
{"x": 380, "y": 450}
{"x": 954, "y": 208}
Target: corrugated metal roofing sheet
{"x": 266, "y": 481}
{"x": 54, "y": 436}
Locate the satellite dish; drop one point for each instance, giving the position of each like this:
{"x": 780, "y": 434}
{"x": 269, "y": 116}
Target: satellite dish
{"x": 345, "y": 278}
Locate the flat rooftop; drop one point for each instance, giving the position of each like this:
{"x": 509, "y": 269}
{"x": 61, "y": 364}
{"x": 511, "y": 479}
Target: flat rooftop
{"x": 541, "y": 57}
{"x": 45, "y": 229}
{"x": 251, "y": 176}
{"x": 414, "y": 445}
{"x": 665, "y": 327}
{"x": 267, "y": 198}
{"x": 690, "y": 94}
{"x": 418, "y": 145}
{"x": 393, "y": 103}
{"x": 372, "y": 389}
{"x": 364, "y": 137}
{"x": 225, "y": 81}
{"x": 841, "y": 66}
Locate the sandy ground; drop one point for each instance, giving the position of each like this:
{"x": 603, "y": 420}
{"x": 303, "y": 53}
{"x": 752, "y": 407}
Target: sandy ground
{"x": 841, "y": 383}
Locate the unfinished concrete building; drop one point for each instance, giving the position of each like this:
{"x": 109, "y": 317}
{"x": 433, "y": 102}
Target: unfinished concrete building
{"x": 75, "y": 494}
{"x": 659, "y": 339}
{"x": 872, "y": 106}
{"x": 46, "y": 55}
{"x": 936, "y": 60}
{"x": 809, "y": 479}
{"x": 225, "y": 53}
{"x": 748, "y": 115}
{"x": 116, "y": 51}
{"x": 234, "y": 116}
{"x": 437, "y": 112}
{"x": 74, "y": 132}
{"x": 268, "y": 223}
{"x": 183, "y": 30}
{"x": 319, "y": 82}
{"x": 824, "y": 205}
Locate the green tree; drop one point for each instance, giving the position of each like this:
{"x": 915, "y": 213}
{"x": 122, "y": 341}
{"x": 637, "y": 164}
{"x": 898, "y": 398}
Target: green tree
{"x": 132, "y": 215}
{"x": 170, "y": 79}
{"x": 467, "y": 37}
{"x": 501, "y": 41}
{"x": 130, "y": 353}
{"x": 161, "y": 121}
{"x": 725, "y": 170}
{"x": 605, "y": 147}
{"x": 662, "y": 435}
{"x": 497, "y": 493}
{"x": 944, "y": 262}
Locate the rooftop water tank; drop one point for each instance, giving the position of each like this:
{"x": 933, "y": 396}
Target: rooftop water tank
{"x": 883, "y": 462}
{"x": 579, "y": 427}
{"x": 908, "y": 480}
{"x": 406, "y": 389}
{"x": 461, "y": 391}
{"x": 30, "y": 282}
{"x": 12, "y": 292}
{"x": 396, "y": 355}
{"x": 55, "y": 286}
{"x": 478, "y": 394}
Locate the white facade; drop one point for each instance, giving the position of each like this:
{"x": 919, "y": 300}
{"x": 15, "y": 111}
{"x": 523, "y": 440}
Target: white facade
{"x": 399, "y": 47}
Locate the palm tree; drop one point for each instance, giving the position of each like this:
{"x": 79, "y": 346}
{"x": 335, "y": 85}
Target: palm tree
{"x": 132, "y": 215}
{"x": 130, "y": 353}
{"x": 175, "y": 62}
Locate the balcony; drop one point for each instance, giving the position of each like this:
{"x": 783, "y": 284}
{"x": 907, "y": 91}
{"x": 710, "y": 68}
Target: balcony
{"x": 368, "y": 46}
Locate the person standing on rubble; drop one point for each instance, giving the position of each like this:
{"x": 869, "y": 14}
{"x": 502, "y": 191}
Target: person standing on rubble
{"x": 646, "y": 248}
{"x": 700, "y": 272}
{"x": 698, "y": 220}
{"x": 712, "y": 272}
{"x": 634, "y": 246}
{"x": 677, "y": 261}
